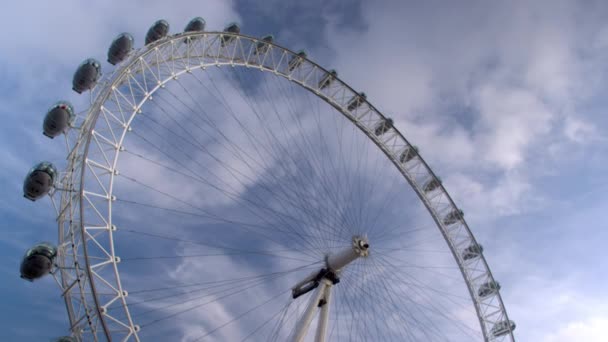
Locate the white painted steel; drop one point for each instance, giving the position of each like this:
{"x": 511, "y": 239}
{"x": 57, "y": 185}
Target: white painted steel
{"x": 324, "y": 316}
{"x": 87, "y": 312}
{"x": 339, "y": 260}
{"x": 334, "y": 263}
{"x": 304, "y": 323}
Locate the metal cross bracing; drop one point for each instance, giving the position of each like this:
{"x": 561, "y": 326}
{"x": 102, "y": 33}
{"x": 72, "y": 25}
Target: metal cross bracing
{"x": 89, "y": 265}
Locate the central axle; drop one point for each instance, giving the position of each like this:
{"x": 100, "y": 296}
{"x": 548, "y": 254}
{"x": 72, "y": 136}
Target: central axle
{"x": 326, "y": 277}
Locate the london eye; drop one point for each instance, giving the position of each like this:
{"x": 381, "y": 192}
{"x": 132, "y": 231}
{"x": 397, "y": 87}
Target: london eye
{"x": 222, "y": 187}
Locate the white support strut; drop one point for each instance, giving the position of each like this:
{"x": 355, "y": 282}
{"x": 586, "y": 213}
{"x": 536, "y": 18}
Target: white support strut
{"x": 306, "y": 319}
{"x": 324, "y": 315}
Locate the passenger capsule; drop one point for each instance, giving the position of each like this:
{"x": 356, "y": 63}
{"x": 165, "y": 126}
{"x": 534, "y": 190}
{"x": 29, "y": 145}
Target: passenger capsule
{"x": 262, "y": 46}
{"x": 58, "y": 118}
{"x": 231, "y": 28}
{"x": 38, "y": 261}
{"x": 356, "y": 101}
{"x": 383, "y": 127}
{"x": 502, "y": 328}
{"x": 327, "y": 79}
{"x": 39, "y": 181}
{"x": 195, "y": 25}
{"x": 296, "y": 60}
{"x": 86, "y": 76}
{"x": 432, "y": 185}
{"x": 408, "y": 154}
{"x": 159, "y": 30}
{"x": 120, "y": 48}
{"x": 487, "y": 289}
{"x": 472, "y": 252}
{"x": 453, "y": 217}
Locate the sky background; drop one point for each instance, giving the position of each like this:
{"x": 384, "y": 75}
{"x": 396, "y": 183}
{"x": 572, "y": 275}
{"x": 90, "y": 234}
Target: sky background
{"x": 505, "y": 101}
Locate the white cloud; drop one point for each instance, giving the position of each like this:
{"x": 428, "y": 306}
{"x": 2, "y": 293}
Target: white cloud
{"x": 515, "y": 76}
{"x": 510, "y": 121}
{"x": 591, "y": 329}
{"x": 578, "y": 130}
{"x": 508, "y": 196}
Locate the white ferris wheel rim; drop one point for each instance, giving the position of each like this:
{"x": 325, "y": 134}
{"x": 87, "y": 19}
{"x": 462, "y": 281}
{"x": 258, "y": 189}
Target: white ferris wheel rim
{"x": 87, "y": 313}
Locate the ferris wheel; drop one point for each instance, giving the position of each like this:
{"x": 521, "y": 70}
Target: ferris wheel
{"x": 222, "y": 187}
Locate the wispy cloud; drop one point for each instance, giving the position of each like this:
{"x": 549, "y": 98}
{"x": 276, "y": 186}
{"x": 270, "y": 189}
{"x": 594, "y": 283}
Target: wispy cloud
{"x": 501, "y": 98}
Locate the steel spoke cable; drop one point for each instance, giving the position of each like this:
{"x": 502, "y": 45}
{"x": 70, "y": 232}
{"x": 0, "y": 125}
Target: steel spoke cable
{"x": 323, "y": 145}
{"x": 386, "y": 299}
{"x": 297, "y": 312}
{"x": 398, "y": 303}
{"x": 239, "y": 154}
{"x": 168, "y": 167}
{"x": 365, "y": 294}
{"x": 252, "y": 228}
{"x": 307, "y": 147}
{"x": 390, "y": 236}
{"x": 236, "y": 251}
{"x": 295, "y": 118}
{"x": 354, "y": 180}
{"x": 408, "y": 264}
{"x": 439, "y": 311}
{"x": 401, "y": 308}
{"x": 250, "y": 136}
{"x": 359, "y": 185}
{"x": 229, "y": 169}
{"x": 222, "y": 281}
{"x": 160, "y": 257}
{"x": 374, "y": 185}
{"x": 240, "y": 287}
{"x": 382, "y": 209}
{"x": 269, "y": 133}
{"x": 393, "y": 235}
{"x": 367, "y": 304}
{"x": 414, "y": 281}
{"x": 281, "y": 311}
{"x": 336, "y": 192}
{"x": 274, "y": 332}
{"x": 236, "y": 150}
{"x": 211, "y": 285}
{"x": 248, "y": 287}
{"x": 352, "y": 304}
{"x": 171, "y": 196}
{"x": 183, "y": 201}
{"x": 248, "y": 281}
{"x": 312, "y": 156}
{"x": 334, "y": 173}
{"x": 419, "y": 234}
{"x": 243, "y": 314}
{"x": 228, "y": 194}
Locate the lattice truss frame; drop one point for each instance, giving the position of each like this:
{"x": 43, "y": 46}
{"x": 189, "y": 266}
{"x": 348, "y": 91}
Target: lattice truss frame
{"x": 88, "y": 267}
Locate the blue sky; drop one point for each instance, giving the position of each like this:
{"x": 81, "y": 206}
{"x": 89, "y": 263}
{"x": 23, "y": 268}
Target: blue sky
{"x": 505, "y": 100}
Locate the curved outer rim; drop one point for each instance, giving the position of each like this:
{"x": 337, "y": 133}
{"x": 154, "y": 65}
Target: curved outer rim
{"x": 119, "y": 76}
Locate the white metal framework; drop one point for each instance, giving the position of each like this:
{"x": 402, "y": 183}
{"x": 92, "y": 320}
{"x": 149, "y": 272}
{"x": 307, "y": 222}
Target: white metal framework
{"x": 88, "y": 263}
